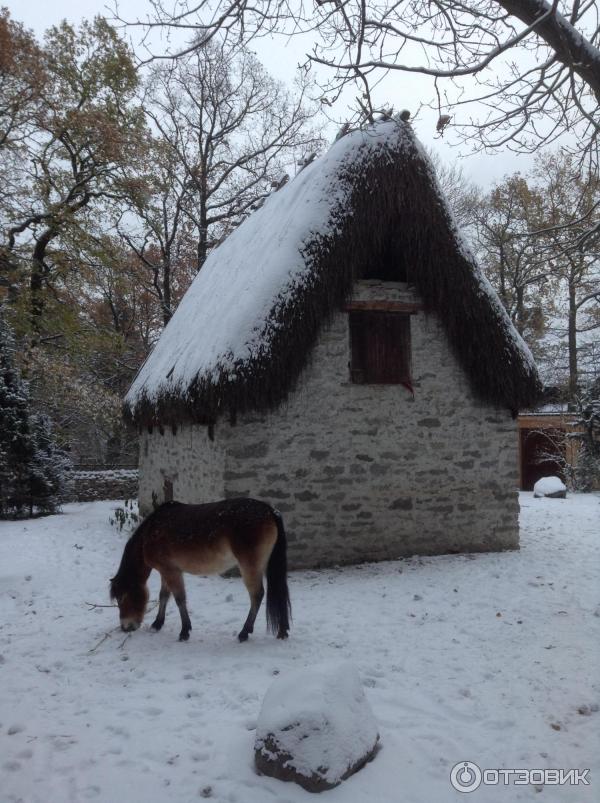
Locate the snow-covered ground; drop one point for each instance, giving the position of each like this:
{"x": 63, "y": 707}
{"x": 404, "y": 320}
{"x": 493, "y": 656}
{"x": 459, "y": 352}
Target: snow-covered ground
{"x": 486, "y": 658}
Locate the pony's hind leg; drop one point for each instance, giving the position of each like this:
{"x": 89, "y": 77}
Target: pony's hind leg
{"x": 253, "y": 581}
{"x": 163, "y": 598}
{"x": 173, "y": 580}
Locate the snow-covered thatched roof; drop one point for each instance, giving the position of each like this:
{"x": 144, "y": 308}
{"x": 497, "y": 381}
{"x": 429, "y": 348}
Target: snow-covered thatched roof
{"x": 245, "y": 328}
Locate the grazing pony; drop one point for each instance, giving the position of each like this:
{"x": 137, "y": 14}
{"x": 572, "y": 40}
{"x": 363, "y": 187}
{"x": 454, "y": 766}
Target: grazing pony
{"x": 205, "y": 539}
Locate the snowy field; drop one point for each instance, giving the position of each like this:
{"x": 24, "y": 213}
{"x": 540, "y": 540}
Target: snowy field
{"x": 487, "y": 658}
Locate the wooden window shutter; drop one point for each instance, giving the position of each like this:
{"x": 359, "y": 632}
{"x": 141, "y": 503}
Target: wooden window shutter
{"x": 380, "y": 347}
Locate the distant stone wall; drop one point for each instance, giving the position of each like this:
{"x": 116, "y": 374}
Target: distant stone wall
{"x": 362, "y": 472}
{"x": 88, "y": 486}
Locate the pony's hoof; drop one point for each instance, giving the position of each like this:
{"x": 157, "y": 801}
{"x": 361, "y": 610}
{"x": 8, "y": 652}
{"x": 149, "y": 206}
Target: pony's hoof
{"x": 156, "y": 626}
{"x": 243, "y": 636}
{"x": 184, "y": 635}
{"x": 282, "y": 634}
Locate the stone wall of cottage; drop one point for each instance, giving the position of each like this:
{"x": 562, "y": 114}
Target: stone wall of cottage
{"x": 182, "y": 464}
{"x": 361, "y": 472}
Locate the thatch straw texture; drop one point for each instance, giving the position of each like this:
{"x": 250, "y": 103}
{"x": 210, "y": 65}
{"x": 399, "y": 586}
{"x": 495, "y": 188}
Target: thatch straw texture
{"x": 234, "y": 345}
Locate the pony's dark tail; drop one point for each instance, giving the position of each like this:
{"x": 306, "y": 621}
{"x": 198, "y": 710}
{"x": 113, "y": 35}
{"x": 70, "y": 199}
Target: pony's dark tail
{"x": 279, "y": 608}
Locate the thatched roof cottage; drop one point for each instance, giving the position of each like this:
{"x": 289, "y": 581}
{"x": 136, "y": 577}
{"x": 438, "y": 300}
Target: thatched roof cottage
{"x": 342, "y": 356}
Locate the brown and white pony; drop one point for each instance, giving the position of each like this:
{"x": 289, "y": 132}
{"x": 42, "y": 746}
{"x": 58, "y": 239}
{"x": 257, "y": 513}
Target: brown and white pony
{"x": 205, "y": 539}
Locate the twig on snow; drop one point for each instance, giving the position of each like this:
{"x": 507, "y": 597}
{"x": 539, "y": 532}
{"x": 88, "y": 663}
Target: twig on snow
{"x": 102, "y": 640}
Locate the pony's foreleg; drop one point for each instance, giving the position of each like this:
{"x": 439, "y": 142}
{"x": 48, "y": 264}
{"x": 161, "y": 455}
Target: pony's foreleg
{"x": 254, "y": 584}
{"x": 174, "y": 581}
{"x": 163, "y": 598}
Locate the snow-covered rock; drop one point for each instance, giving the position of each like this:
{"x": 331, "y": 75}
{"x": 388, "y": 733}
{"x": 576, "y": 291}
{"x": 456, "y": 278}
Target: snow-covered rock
{"x": 315, "y": 727}
{"x": 550, "y": 486}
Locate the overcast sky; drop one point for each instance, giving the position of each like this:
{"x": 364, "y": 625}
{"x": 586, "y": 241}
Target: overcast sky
{"x": 281, "y": 57}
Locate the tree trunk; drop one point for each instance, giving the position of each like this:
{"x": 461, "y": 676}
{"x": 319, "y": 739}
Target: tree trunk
{"x": 572, "y": 330}
{"x": 519, "y": 309}
{"x": 202, "y": 249}
{"x": 166, "y": 294}
{"x": 502, "y": 277}
{"x": 39, "y": 273}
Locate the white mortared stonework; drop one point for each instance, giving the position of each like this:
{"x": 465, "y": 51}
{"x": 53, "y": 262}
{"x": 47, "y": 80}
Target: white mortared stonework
{"x": 359, "y": 472}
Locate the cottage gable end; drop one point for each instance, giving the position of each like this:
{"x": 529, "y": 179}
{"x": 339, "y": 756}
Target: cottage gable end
{"x": 369, "y": 207}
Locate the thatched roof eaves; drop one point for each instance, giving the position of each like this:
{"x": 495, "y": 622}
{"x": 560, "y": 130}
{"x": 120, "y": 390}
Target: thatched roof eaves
{"x": 246, "y": 327}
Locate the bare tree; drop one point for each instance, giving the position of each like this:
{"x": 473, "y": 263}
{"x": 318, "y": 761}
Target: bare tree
{"x": 222, "y": 131}
{"x": 160, "y": 236}
{"x": 532, "y": 66}
{"x": 463, "y": 195}
{"x": 522, "y": 230}
{"x": 504, "y": 222}
{"x": 225, "y": 131}
{"x": 571, "y": 201}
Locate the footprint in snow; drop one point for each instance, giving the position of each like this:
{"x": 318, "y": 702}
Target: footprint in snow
{"x": 376, "y": 672}
{"x": 14, "y": 729}
{"x": 117, "y": 730}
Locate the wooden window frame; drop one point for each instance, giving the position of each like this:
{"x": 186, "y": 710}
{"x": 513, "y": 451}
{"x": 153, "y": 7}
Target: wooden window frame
{"x": 388, "y": 337}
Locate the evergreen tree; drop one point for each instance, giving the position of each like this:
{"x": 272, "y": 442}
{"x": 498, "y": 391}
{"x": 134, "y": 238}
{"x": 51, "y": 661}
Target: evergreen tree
{"x": 32, "y": 467}
{"x": 48, "y": 468}
{"x": 15, "y": 438}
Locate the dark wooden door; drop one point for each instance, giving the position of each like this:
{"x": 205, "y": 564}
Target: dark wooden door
{"x": 540, "y": 456}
